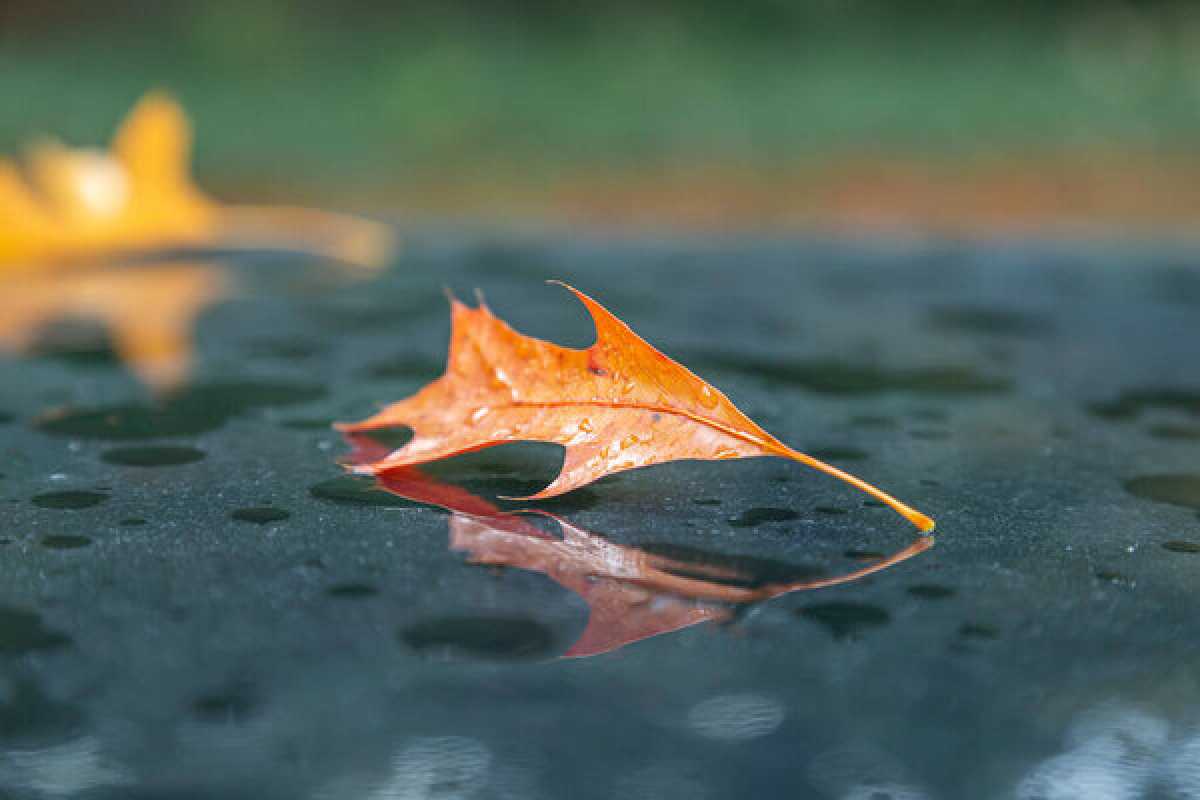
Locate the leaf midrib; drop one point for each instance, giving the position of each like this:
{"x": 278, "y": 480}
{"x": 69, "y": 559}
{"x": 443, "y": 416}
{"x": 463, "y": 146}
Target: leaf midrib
{"x": 767, "y": 444}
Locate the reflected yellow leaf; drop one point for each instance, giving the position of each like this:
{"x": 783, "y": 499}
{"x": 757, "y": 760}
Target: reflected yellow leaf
{"x": 149, "y": 311}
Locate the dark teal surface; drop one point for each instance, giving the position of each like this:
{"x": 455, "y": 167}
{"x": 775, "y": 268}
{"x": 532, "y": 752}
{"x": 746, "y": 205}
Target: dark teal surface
{"x": 154, "y": 643}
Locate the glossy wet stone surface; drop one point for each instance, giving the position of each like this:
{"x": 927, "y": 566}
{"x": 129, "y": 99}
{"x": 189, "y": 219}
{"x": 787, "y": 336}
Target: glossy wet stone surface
{"x": 164, "y": 632}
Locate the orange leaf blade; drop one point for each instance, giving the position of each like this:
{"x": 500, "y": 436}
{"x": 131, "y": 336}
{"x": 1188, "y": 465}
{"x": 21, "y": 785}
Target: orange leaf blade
{"x": 617, "y": 405}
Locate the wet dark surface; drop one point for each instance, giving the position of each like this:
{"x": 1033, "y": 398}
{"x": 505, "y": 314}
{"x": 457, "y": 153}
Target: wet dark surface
{"x": 165, "y": 631}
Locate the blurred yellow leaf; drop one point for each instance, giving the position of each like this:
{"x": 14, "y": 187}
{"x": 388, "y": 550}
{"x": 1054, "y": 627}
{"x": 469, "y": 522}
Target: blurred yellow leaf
{"x": 69, "y": 205}
{"x": 69, "y": 218}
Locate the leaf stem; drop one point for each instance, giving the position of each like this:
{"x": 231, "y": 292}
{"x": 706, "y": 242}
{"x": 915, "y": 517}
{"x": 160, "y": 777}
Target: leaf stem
{"x": 922, "y": 522}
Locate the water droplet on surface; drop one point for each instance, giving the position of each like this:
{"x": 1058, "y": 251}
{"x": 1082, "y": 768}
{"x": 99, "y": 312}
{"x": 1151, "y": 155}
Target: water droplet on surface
{"x": 1175, "y": 432}
{"x": 875, "y": 421}
{"x": 163, "y": 456}
{"x": 1175, "y": 489}
{"x": 29, "y": 717}
{"x": 931, "y": 591}
{"x": 759, "y": 516}
{"x": 736, "y": 717}
{"x": 260, "y": 515}
{"x": 65, "y": 542}
{"x": 831, "y": 510}
{"x": 22, "y": 631}
{"x": 975, "y": 630}
{"x": 485, "y": 638}
{"x": 235, "y": 703}
{"x": 1114, "y": 577}
{"x": 352, "y": 590}
{"x": 845, "y": 620}
{"x": 197, "y": 410}
{"x": 69, "y": 500}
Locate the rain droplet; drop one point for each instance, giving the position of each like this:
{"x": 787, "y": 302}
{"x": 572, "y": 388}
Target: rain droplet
{"x": 69, "y": 500}
{"x": 260, "y": 516}
{"x": 65, "y": 542}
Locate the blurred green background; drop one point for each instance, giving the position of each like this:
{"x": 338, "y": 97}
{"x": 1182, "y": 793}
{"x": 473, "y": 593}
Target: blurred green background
{"x": 759, "y": 111}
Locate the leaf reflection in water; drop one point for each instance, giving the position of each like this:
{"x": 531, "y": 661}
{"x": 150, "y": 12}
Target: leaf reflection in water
{"x": 148, "y": 311}
{"x": 632, "y": 594}
{"x": 82, "y": 233}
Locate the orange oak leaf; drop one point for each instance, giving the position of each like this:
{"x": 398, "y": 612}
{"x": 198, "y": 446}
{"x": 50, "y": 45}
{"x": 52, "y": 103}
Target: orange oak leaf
{"x": 614, "y": 406}
{"x": 69, "y": 205}
{"x": 632, "y": 594}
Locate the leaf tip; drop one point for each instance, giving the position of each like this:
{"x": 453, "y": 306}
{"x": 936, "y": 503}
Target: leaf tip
{"x": 925, "y": 524}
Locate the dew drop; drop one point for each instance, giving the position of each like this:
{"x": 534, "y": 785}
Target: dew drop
{"x": 71, "y": 500}
{"x": 159, "y": 456}
{"x": 264, "y": 515}
{"x": 65, "y": 542}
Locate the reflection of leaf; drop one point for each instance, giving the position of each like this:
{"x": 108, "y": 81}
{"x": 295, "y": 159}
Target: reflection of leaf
{"x": 149, "y": 311}
{"x": 65, "y": 218}
{"x": 72, "y": 205}
{"x": 617, "y": 405}
{"x": 632, "y": 594}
